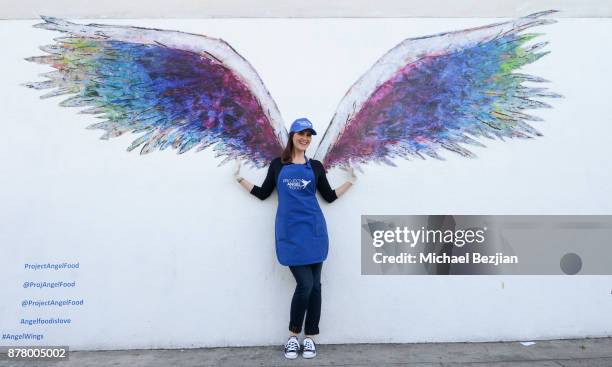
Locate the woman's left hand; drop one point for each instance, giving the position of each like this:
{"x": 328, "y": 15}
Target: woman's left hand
{"x": 351, "y": 175}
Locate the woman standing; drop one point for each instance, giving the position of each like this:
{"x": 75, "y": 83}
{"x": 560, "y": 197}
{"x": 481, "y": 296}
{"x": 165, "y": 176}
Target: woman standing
{"x": 300, "y": 229}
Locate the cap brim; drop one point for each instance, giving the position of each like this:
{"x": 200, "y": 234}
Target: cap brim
{"x": 311, "y": 130}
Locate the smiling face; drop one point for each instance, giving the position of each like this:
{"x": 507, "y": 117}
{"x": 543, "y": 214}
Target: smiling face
{"x": 301, "y": 139}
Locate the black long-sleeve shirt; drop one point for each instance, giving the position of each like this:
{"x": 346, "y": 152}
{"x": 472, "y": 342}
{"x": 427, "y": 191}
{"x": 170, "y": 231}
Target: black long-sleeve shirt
{"x": 263, "y": 191}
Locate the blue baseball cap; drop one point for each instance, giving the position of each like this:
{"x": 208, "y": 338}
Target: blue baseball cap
{"x": 302, "y": 124}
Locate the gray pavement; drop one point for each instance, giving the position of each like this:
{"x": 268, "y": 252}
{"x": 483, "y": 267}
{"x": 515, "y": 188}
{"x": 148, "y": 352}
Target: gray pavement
{"x": 550, "y": 353}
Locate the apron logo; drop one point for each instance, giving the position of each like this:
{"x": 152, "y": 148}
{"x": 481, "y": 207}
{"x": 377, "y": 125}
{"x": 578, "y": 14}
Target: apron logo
{"x": 296, "y": 183}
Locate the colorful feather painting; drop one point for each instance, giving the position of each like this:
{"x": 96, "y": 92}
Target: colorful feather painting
{"x": 437, "y": 92}
{"x": 173, "y": 97}
{"x": 183, "y": 90}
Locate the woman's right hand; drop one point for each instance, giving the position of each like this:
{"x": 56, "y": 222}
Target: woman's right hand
{"x": 237, "y": 175}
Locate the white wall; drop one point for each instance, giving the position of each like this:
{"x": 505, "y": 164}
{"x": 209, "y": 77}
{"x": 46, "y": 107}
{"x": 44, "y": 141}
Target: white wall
{"x": 173, "y": 253}
{"x": 16, "y": 9}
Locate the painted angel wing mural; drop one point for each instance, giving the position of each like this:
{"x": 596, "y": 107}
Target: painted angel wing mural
{"x": 437, "y": 92}
{"x": 186, "y": 90}
{"x": 176, "y": 89}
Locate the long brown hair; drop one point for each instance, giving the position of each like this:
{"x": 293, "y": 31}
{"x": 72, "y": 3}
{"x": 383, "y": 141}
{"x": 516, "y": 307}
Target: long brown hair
{"x": 287, "y": 154}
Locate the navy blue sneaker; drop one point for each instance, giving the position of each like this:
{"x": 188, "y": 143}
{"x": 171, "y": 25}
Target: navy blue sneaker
{"x": 309, "y": 350}
{"x": 292, "y": 347}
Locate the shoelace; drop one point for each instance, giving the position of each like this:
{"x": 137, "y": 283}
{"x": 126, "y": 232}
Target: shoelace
{"x": 309, "y": 345}
{"x": 292, "y": 345}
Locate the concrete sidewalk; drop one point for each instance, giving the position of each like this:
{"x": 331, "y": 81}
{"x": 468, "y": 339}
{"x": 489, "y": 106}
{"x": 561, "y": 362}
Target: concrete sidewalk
{"x": 551, "y": 353}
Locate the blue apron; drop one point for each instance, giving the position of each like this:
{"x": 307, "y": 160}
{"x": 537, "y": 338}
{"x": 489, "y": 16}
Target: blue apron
{"x": 300, "y": 228}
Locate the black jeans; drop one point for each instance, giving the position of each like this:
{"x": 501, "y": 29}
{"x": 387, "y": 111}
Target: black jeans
{"x": 306, "y": 298}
